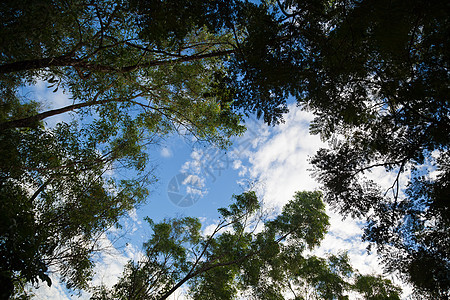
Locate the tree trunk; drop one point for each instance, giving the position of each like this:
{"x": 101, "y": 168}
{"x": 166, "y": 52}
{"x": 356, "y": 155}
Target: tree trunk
{"x": 65, "y": 61}
{"x": 34, "y": 64}
{"x": 31, "y": 121}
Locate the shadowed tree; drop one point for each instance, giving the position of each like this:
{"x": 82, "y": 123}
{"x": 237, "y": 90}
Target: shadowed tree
{"x": 375, "y": 73}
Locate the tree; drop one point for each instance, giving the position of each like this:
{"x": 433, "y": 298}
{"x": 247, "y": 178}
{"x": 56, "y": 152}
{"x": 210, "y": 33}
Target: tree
{"x": 56, "y": 201}
{"x": 113, "y": 67}
{"x": 375, "y": 74}
{"x": 383, "y": 102}
{"x": 242, "y": 258}
{"x": 375, "y": 287}
{"x": 134, "y": 73}
{"x": 130, "y": 86}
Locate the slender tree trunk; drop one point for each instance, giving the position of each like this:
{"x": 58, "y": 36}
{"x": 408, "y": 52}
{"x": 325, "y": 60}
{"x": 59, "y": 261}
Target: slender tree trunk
{"x": 34, "y": 64}
{"x": 31, "y": 121}
{"x": 65, "y": 61}
{"x": 203, "y": 270}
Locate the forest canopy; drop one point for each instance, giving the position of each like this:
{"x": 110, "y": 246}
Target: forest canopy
{"x": 374, "y": 73}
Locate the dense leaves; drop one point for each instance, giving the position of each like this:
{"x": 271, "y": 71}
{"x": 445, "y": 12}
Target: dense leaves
{"x": 61, "y": 188}
{"x": 98, "y": 53}
{"x": 246, "y": 255}
{"x": 374, "y": 72}
{"x": 375, "y": 287}
{"x": 56, "y": 201}
{"x": 381, "y": 99}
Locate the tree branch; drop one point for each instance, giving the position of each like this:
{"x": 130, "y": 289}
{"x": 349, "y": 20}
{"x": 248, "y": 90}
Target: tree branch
{"x": 66, "y": 61}
{"x": 30, "y": 121}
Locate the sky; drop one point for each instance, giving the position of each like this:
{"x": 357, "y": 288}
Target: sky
{"x": 196, "y": 179}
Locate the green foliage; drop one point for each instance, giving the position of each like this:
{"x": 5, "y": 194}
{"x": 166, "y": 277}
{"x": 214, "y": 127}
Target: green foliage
{"x": 301, "y": 219}
{"x": 375, "y": 287}
{"x": 374, "y": 72}
{"x": 113, "y": 69}
{"x": 320, "y": 278}
{"x": 242, "y": 258}
{"x": 129, "y": 87}
{"x": 56, "y": 201}
{"x": 172, "y": 21}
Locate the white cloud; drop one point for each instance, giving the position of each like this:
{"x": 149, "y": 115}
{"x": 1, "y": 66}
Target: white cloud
{"x": 132, "y": 213}
{"x": 281, "y": 160}
{"x": 166, "y": 152}
{"x": 281, "y": 164}
{"x": 51, "y": 100}
{"x": 194, "y": 166}
{"x": 209, "y": 229}
{"x": 237, "y": 164}
{"x": 56, "y": 292}
{"x": 111, "y": 262}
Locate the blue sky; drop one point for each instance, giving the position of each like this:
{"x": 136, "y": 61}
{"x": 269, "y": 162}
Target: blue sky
{"x": 196, "y": 179}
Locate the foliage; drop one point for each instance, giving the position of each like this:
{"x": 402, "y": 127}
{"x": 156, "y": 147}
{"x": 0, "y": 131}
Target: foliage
{"x": 375, "y": 74}
{"x": 114, "y": 68}
{"x": 129, "y": 86}
{"x": 375, "y": 287}
{"x": 245, "y": 255}
{"x": 56, "y": 201}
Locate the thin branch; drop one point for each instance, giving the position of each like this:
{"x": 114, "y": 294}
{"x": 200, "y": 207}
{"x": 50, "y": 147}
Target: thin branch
{"x": 65, "y": 61}
{"x": 395, "y": 191}
{"x": 102, "y": 28}
{"x": 30, "y": 121}
{"x": 288, "y": 15}
{"x": 40, "y": 189}
{"x": 384, "y": 164}
{"x": 154, "y": 63}
{"x": 292, "y": 289}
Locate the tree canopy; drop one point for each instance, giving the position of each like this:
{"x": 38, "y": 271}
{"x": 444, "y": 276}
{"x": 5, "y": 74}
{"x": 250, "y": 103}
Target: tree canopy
{"x": 129, "y": 86}
{"x": 247, "y": 254}
{"x": 379, "y": 89}
{"x": 374, "y": 72}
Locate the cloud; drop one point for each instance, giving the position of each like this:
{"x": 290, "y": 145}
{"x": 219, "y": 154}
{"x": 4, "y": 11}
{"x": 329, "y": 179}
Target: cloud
{"x": 132, "y": 213}
{"x": 111, "y": 262}
{"x": 56, "y": 292}
{"x": 195, "y": 164}
{"x": 51, "y": 100}
{"x": 281, "y": 164}
{"x": 209, "y": 229}
{"x": 166, "y": 152}
{"x": 281, "y": 160}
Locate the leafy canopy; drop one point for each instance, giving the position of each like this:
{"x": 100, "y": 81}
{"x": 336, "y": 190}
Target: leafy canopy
{"x": 247, "y": 254}
{"x": 129, "y": 88}
{"x": 374, "y": 72}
